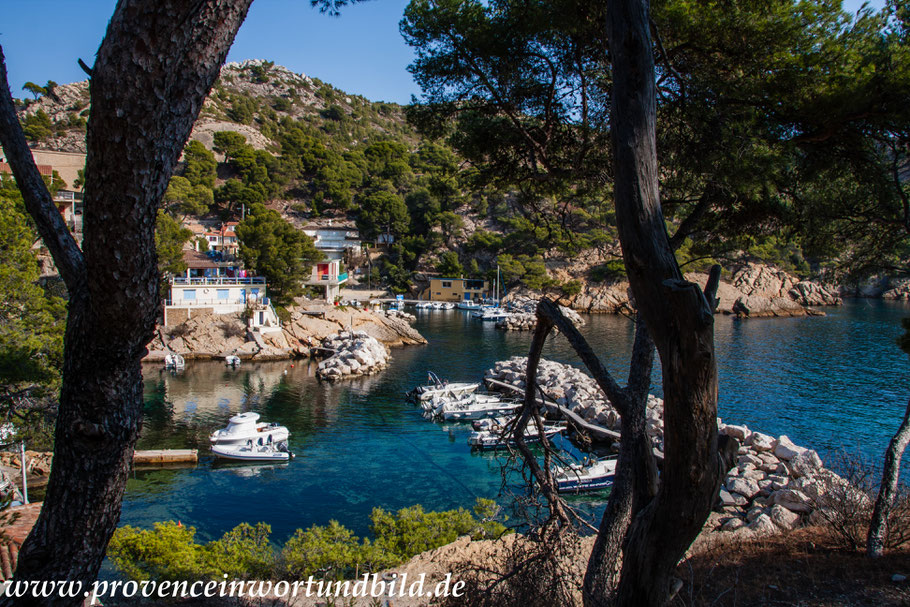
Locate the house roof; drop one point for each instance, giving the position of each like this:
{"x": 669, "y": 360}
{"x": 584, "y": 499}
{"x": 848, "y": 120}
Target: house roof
{"x": 197, "y": 261}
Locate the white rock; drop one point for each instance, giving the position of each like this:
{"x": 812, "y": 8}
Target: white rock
{"x": 761, "y": 442}
{"x": 805, "y": 463}
{"x": 785, "y": 449}
{"x": 783, "y": 518}
{"x": 743, "y": 486}
{"x": 792, "y": 499}
{"x": 763, "y": 525}
{"x": 732, "y": 499}
{"x": 740, "y": 433}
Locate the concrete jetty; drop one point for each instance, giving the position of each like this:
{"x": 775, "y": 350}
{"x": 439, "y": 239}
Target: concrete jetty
{"x": 165, "y": 456}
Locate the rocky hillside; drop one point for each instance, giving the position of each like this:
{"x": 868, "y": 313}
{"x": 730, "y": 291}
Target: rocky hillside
{"x": 753, "y": 290}
{"x": 246, "y": 98}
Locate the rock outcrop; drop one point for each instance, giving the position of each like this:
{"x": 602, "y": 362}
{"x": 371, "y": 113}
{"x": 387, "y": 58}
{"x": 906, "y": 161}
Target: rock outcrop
{"x": 208, "y": 336}
{"x": 754, "y": 290}
{"x": 355, "y": 354}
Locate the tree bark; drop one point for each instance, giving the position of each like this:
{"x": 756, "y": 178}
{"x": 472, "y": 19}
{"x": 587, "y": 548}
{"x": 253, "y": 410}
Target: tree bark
{"x": 679, "y": 318}
{"x": 157, "y": 63}
{"x": 891, "y": 471}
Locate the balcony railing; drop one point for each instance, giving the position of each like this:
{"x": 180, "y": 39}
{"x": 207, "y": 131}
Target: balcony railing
{"x": 204, "y": 281}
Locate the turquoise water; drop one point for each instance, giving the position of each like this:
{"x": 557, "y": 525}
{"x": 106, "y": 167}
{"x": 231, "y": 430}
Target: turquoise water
{"x": 828, "y": 382}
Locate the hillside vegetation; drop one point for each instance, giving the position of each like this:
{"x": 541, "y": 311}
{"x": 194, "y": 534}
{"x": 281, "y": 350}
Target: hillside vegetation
{"x": 300, "y": 146}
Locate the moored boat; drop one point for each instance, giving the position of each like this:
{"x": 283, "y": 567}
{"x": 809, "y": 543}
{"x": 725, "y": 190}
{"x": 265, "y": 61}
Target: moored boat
{"x": 589, "y": 475}
{"x": 494, "y": 438}
{"x": 258, "y": 451}
{"x": 174, "y": 362}
{"x": 232, "y": 361}
{"x": 246, "y": 426}
{"x": 437, "y": 387}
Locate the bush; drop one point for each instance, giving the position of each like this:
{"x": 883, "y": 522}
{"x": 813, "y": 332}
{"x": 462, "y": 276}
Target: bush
{"x": 610, "y": 271}
{"x": 844, "y": 503}
{"x": 283, "y": 314}
{"x": 571, "y": 288}
{"x": 169, "y": 551}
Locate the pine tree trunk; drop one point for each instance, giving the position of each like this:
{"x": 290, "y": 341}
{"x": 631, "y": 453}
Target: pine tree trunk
{"x": 678, "y": 315}
{"x": 891, "y": 471}
{"x": 158, "y": 61}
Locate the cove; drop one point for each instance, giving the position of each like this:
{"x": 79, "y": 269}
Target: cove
{"x": 827, "y": 382}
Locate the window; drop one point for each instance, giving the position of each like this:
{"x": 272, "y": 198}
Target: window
{"x": 189, "y": 295}
{"x": 223, "y": 294}
{"x": 446, "y": 284}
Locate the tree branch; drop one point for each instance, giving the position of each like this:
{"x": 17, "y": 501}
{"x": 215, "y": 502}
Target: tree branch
{"x": 548, "y": 311}
{"x": 51, "y": 227}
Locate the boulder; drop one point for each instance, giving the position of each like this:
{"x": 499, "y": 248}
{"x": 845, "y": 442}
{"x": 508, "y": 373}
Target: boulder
{"x": 761, "y": 442}
{"x": 792, "y": 499}
{"x": 763, "y": 525}
{"x": 785, "y": 449}
{"x": 743, "y": 486}
{"x": 784, "y": 518}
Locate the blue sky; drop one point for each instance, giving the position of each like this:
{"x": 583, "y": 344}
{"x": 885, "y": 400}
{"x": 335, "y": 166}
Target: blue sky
{"x": 360, "y": 52}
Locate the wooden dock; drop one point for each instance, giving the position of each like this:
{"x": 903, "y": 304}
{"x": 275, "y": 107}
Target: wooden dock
{"x": 156, "y": 457}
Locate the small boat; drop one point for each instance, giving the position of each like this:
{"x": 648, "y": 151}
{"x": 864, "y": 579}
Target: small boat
{"x": 424, "y": 305}
{"x": 471, "y": 411}
{"x": 468, "y": 305}
{"x": 494, "y": 439}
{"x": 589, "y": 475}
{"x": 439, "y": 400}
{"x": 491, "y": 314}
{"x": 246, "y": 426}
{"x": 258, "y": 451}
{"x": 174, "y": 362}
{"x": 437, "y": 387}
{"x": 232, "y": 361}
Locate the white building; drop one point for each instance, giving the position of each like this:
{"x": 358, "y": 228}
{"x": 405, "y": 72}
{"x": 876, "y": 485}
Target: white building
{"x": 328, "y": 274}
{"x": 218, "y": 288}
{"x": 333, "y": 239}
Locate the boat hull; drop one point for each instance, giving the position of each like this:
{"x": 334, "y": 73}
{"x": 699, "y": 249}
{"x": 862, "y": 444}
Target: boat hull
{"x": 244, "y": 455}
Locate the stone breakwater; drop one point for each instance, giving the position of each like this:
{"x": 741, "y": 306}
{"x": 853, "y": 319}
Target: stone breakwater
{"x": 356, "y": 353}
{"x": 524, "y": 316}
{"x": 774, "y": 487}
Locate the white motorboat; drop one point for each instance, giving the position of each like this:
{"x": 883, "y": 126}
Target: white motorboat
{"x": 437, "y": 387}
{"x": 257, "y": 451}
{"x": 174, "y": 362}
{"x": 589, "y": 475}
{"x": 436, "y": 403}
{"x": 491, "y": 314}
{"x": 246, "y": 426}
{"x": 468, "y": 305}
{"x": 494, "y": 438}
{"x": 471, "y": 411}
{"x": 232, "y": 361}
{"x": 424, "y": 305}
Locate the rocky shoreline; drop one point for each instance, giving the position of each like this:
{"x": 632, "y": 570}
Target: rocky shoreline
{"x": 775, "y": 486}
{"x": 753, "y": 290}
{"x": 215, "y": 336}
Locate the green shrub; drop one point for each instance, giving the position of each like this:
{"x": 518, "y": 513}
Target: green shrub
{"x": 610, "y": 271}
{"x": 169, "y": 551}
{"x": 570, "y": 288}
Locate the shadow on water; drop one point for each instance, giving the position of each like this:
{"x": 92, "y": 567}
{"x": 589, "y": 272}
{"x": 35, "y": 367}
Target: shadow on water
{"x": 828, "y": 382}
